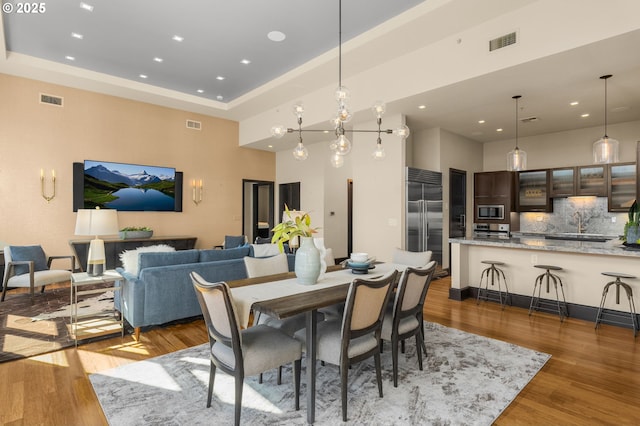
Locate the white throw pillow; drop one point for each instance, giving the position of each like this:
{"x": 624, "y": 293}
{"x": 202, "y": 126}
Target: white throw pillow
{"x": 265, "y": 250}
{"x": 129, "y": 258}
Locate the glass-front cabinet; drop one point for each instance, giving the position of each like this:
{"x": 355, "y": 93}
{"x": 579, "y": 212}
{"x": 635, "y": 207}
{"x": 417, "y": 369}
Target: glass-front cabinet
{"x": 592, "y": 180}
{"x": 622, "y": 186}
{"x": 563, "y": 182}
{"x": 533, "y": 191}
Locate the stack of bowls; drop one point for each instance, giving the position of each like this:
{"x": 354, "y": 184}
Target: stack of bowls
{"x": 360, "y": 263}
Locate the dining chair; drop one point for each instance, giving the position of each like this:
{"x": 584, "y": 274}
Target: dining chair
{"x": 242, "y": 353}
{"x": 356, "y": 336}
{"x": 417, "y": 259}
{"x": 405, "y": 318}
{"x": 28, "y": 267}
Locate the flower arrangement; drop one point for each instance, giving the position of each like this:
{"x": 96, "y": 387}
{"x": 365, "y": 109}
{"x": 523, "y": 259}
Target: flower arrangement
{"x": 136, "y": 228}
{"x": 296, "y": 225}
{"x": 136, "y": 232}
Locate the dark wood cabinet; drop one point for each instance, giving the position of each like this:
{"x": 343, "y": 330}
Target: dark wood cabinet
{"x": 592, "y": 180}
{"x": 114, "y": 246}
{"x": 494, "y": 188}
{"x": 563, "y": 182}
{"x": 533, "y": 191}
{"x": 622, "y": 186}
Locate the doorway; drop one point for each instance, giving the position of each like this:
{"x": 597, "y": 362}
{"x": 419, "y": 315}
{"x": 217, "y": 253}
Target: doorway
{"x": 257, "y": 208}
{"x": 457, "y": 205}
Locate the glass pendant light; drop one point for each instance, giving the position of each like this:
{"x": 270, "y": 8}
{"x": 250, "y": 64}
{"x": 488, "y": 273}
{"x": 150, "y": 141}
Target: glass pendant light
{"x": 336, "y": 160}
{"x": 517, "y": 158}
{"x": 300, "y": 152}
{"x": 379, "y": 153}
{"x": 605, "y": 149}
{"x": 343, "y": 145}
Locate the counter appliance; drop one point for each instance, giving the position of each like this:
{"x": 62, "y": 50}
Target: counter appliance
{"x": 491, "y": 230}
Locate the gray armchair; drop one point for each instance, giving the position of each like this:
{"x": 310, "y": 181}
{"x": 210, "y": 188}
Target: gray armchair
{"x": 28, "y": 267}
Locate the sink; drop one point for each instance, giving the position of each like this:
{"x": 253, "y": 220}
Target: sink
{"x": 574, "y": 236}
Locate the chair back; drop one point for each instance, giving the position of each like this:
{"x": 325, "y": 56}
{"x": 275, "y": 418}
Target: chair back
{"x": 220, "y": 316}
{"x": 262, "y": 266}
{"x": 416, "y": 259}
{"x": 412, "y": 290}
{"x": 364, "y": 307}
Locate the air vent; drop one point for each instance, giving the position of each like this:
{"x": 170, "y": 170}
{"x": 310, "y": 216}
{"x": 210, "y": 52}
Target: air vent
{"x": 51, "y": 99}
{"x": 194, "y": 125}
{"x": 529, "y": 119}
{"x": 504, "y": 41}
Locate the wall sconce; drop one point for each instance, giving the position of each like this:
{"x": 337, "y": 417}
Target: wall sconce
{"x": 43, "y": 185}
{"x": 196, "y": 187}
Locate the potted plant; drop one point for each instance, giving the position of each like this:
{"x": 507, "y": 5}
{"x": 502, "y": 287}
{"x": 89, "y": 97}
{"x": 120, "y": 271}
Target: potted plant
{"x": 631, "y": 228}
{"x": 131, "y": 232}
{"x": 298, "y": 225}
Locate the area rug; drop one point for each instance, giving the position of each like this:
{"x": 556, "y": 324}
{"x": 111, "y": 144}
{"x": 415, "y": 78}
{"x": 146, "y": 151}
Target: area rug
{"x": 467, "y": 380}
{"x": 28, "y": 329}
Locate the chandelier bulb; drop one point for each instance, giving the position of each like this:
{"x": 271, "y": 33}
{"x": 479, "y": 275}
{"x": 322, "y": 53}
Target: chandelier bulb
{"x": 343, "y": 95}
{"x": 336, "y": 160}
{"x": 403, "y": 131}
{"x": 300, "y": 152}
{"x": 278, "y": 131}
{"x": 379, "y": 108}
{"x": 343, "y": 145}
{"x": 379, "y": 153}
{"x": 298, "y": 110}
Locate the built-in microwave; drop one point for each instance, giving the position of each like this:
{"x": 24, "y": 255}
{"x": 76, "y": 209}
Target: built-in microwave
{"x": 490, "y": 212}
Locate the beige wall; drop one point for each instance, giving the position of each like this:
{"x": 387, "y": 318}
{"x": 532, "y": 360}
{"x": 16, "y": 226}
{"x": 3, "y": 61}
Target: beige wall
{"x": 35, "y": 136}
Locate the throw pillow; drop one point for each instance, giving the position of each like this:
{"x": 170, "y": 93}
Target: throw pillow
{"x": 129, "y": 258}
{"x": 35, "y": 253}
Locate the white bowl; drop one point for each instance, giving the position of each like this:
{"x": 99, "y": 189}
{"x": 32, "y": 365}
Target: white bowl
{"x": 359, "y": 257}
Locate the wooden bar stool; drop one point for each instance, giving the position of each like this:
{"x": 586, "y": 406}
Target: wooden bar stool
{"x": 493, "y": 274}
{"x": 539, "y": 304}
{"x": 615, "y": 317}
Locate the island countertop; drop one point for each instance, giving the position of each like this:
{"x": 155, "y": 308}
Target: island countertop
{"x": 610, "y": 248}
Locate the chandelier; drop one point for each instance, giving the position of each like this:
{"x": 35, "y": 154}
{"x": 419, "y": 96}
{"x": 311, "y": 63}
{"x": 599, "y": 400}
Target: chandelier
{"x": 341, "y": 146}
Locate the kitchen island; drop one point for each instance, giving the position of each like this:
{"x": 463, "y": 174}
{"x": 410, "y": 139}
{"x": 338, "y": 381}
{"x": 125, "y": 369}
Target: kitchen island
{"x": 582, "y": 263}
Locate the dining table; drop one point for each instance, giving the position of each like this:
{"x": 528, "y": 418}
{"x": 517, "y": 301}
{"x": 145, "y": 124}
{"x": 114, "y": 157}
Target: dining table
{"x": 281, "y": 296}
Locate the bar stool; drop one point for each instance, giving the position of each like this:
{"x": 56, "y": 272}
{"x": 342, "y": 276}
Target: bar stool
{"x": 613, "y": 317}
{"x": 537, "y": 304}
{"x": 493, "y": 273}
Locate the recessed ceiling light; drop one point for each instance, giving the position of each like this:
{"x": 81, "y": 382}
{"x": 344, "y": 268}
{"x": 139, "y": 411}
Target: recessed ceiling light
{"x": 200, "y": 91}
{"x": 78, "y": 36}
{"x": 86, "y": 6}
{"x": 276, "y": 36}
{"x": 499, "y": 130}
{"x": 422, "y": 107}
{"x": 177, "y": 38}
{"x": 620, "y": 109}
{"x": 220, "y": 78}
{"x": 585, "y": 115}
{"x": 144, "y": 76}
{"x": 219, "y": 97}
{"x": 269, "y": 146}
{"x": 158, "y": 59}
{"x": 245, "y": 61}
{"x": 70, "y": 58}
{"x": 574, "y": 103}
{"x": 481, "y": 121}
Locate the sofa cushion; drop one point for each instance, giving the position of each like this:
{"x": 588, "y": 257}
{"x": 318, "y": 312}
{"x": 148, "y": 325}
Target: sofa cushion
{"x": 35, "y": 253}
{"x": 129, "y": 258}
{"x": 228, "y": 254}
{"x": 180, "y": 257}
{"x": 264, "y": 250}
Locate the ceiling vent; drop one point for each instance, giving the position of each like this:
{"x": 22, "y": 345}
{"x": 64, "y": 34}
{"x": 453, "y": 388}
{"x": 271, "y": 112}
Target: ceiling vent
{"x": 194, "y": 125}
{"x": 51, "y": 99}
{"x": 530, "y": 119}
{"x": 504, "y": 41}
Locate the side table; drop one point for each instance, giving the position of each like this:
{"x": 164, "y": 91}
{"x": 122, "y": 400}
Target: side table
{"x": 93, "y": 324}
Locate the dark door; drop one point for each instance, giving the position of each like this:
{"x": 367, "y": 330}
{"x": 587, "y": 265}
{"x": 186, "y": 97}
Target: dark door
{"x": 457, "y": 203}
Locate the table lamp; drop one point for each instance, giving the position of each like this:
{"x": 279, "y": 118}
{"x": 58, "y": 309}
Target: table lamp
{"x": 96, "y": 222}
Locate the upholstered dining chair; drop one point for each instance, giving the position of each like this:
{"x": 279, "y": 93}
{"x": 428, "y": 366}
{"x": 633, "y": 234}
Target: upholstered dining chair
{"x": 417, "y": 259}
{"x": 242, "y": 353}
{"x": 28, "y": 267}
{"x": 405, "y": 318}
{"x": 357, "y": 336}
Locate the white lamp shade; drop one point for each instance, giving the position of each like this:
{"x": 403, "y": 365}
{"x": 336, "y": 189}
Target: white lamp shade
{"x": 605, "y": 150}
{"x": 96, "y": 222}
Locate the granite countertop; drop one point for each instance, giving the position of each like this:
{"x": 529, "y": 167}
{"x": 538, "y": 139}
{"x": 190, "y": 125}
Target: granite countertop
{"x": 613, "y": 247}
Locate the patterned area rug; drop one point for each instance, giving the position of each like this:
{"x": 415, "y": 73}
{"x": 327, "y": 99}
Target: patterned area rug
{"x": 467, "y": 380}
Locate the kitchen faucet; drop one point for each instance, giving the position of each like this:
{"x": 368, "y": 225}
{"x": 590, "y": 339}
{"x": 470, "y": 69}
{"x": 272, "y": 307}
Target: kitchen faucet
{"x": 581, "y": 227}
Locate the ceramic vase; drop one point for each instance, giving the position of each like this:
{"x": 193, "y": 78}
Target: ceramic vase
{"x": 319, "y": 243}
{"x": 633, "y": 234}
{"x": 307, "y": 265}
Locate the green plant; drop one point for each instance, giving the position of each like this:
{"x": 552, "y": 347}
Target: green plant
{"x": 634, "y": 220}
{"x": 136, "y": 228}
{"x": 298, "y": 226}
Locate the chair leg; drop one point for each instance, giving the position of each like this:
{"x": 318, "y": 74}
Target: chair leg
{"x": 260, "y": 378}
{"x": 42, "y": 289}
{"x": 402, "y": 348}
{"x": 394, "y": 357}
{"x": 376, "y": 357}
{"x": 279, "y": 375}
{"x": 136, "y": 334}
{"x": 424, "y": 346}
{"x": 344, "y": 375}
{"x": 297, "y": 366}
{"x": 212, "y": 378}
{"x": 238, "y": 405}
{"x": 419, "y": 345}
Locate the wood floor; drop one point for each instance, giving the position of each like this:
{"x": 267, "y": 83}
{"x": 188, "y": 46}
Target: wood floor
{"x": 592, "y": 378}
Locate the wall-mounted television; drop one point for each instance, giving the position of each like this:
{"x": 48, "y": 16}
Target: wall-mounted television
{"x": 126, "y": 187}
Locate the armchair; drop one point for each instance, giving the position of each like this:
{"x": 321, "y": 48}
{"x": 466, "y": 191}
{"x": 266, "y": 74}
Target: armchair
{"x": 28, "y": 267}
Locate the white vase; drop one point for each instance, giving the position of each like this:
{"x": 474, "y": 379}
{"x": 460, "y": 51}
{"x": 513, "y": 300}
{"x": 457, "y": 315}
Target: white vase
{"x": 307, "y": 265}
{"x": 319, "y": 243}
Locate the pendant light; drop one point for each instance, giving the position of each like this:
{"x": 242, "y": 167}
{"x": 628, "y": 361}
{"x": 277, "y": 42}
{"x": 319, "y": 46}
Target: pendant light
{"x": 605, "y": 149}
{"x": 517, "y": 158}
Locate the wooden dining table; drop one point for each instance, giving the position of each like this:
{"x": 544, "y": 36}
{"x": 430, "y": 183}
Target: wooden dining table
{"x": 307, "y": 299}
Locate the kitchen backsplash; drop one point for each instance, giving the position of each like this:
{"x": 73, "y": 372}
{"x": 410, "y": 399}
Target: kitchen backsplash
{"x": 568, "y": 213}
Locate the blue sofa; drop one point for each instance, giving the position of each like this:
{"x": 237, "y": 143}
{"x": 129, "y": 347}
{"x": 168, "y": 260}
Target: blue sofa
{"x": 162, "y": 291}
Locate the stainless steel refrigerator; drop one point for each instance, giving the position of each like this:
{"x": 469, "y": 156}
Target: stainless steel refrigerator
{"x": 424, "y": 211}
